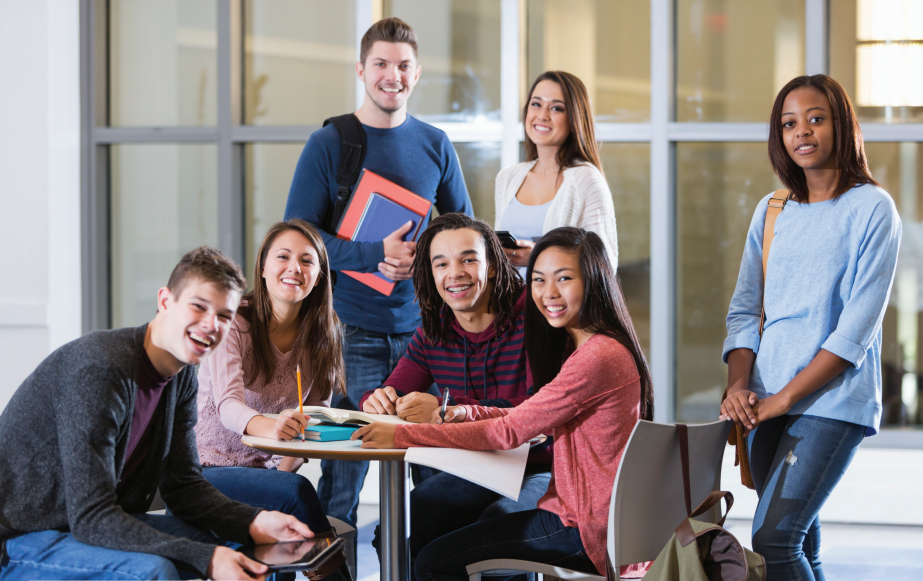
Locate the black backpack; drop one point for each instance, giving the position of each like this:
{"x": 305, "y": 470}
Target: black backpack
{"x": 353, "y": 148}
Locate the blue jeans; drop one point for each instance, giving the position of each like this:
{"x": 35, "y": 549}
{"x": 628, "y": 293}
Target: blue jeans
{"x": 532, "y": 535}
{"x": 57, "y": 555}
{"x": 271, "y": 490}
{"x": 796, "y": 462}
{"x": 370, "y": 358}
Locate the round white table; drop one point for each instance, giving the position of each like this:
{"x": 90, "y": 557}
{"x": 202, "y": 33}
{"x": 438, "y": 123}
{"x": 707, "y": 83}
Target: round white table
{"x": 394, "y": 491}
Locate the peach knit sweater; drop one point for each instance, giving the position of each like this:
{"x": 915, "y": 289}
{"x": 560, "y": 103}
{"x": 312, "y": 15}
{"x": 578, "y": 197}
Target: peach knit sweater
{"x": 591, "y": 408}
{"x": 229, "y": 398}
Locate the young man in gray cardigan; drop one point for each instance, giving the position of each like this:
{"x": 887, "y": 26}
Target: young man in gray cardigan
{"x": 101, "y": 424}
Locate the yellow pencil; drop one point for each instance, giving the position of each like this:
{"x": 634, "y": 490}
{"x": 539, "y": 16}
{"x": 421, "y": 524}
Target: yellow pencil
{"x": 300, "y": 404}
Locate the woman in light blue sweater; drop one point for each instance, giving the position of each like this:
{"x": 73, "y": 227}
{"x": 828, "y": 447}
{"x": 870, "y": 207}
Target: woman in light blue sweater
{"x": 809, "y": 388}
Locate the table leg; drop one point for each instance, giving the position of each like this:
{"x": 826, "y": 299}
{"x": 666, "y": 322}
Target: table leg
{"x": 395, "y": 521}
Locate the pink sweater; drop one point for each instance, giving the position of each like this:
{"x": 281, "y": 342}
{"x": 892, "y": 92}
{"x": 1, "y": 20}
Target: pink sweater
{"x": 590, "y": 408}
{"x": 228, "y": 399}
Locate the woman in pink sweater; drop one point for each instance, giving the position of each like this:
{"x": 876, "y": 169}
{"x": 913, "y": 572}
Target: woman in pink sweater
{"x": 594, "y": 385}
{"x": 287, "y": 319}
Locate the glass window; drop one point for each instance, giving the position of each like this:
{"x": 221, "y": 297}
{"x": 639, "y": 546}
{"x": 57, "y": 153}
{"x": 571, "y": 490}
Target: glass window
{"x": 607, "y": 43}
{"x": 718, "y": 186}
{"x": 876, "y": 53}
{"x": 164, "y": 203}
{"x": 480, "y": 163}
{"x": 628, "y": 172}
{"x": 733, "y": 57}
{"x": 899, "y": 169}
{"x": 269, "y": 168}
{"x": 299, "y": 61}
{"x": 162, "y": 62}
{"x": 459, "y": 51}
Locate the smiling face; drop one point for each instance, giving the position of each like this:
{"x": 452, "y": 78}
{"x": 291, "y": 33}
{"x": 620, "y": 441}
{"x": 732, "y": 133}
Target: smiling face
{"x": 291, "y": 268}
{"x": 547, "y": 123}
{"x": 557, "y": 288}
{"x": 463, "y": 278}
{"x": 390, "y": 72}
{"x": 808, "y": 129}
{"x": 193, "y": 324}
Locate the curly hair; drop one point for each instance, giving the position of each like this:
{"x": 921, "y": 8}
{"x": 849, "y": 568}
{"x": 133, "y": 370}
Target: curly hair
{"x": 437, "y": 315}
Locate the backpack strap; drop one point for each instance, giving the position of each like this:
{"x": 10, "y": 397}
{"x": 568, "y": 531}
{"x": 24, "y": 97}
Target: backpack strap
{"x": 353, "y": 148}
{"x": 776, "y": 204}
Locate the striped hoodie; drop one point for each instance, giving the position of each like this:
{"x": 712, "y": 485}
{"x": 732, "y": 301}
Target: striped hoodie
{"x": 483, "y": 369}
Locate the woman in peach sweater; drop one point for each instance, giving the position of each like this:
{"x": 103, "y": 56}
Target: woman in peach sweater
{"x": 287, "y": 320}
{"x": 594, "y": 384}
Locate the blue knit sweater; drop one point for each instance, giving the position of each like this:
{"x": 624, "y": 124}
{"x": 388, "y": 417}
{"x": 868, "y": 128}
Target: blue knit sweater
{"x": 828, "y": 279}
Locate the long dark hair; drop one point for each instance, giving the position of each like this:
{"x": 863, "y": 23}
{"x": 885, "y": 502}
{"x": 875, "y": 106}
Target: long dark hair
{"x": 848, "y": 145}
{"x": 580, "y": 145}
{"x": 603, "y": 311}
{"x": 319, "y": 345}
{"x": 437, "y": 315}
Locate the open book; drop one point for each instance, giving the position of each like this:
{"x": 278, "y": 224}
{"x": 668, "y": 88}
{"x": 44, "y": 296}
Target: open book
{"x": 337, "y": 416}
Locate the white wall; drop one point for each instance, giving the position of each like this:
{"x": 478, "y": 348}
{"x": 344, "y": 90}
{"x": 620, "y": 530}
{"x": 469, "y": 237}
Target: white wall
{"x": 39, "y": 184}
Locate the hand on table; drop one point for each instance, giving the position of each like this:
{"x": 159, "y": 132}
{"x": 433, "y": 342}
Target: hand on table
{"x": 417, "y": 407}
{"x": 398, "y": 261}
{"x": 229, "y": 564}
{"x": 272, "y": 526}
{"x": 378, "y": 435}
{"x": 382, "y": 401}
{"x": 453, "y": 414}
{"x": 520, "y": 256}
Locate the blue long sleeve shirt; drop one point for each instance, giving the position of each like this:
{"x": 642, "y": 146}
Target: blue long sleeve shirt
{"x": 414, "y": 155}
{"x": 828, "y": 278}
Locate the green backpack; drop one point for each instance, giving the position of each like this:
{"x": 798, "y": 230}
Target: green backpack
{"x": 700, "y": 551}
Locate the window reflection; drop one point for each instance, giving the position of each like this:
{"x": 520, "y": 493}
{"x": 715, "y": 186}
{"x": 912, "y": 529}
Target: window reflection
{"x": 299, "y": 61}
{"x": 733, "y": 57}
{"x": 607, "y": 43}
{"x": 164, "y": 203}
{"x": 269, "y": 168}
{"x": 717, "y": 190}
{"x": 480, "y": 163}
{"x": 459, "y": 50}
{"x": 162, "y": 62}
{"x": 899, "y": 169}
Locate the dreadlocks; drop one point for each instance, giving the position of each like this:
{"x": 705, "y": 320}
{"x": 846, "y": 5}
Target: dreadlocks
{"x": 437, "y": 315}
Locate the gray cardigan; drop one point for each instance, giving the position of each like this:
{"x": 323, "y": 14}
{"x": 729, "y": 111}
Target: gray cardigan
{"x": 63, "y": 437}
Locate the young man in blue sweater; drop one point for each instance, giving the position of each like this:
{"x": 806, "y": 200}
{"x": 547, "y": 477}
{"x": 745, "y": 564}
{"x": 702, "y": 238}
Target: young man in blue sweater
{"x": 411, "y": 154}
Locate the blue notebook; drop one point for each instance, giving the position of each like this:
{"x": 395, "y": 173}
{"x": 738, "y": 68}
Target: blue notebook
{"x": 322, "y": 433}
{"x": 382, "y": 217}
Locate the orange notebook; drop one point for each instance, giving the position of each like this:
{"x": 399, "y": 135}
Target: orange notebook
{"x": 377, "y": 208}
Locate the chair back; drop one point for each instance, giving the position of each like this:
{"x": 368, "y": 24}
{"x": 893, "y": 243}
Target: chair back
{"x": 647, "y": 497}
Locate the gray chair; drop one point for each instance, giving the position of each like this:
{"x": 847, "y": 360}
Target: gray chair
{"x": 348, "y": 534}
{"x": 647, "y": 497}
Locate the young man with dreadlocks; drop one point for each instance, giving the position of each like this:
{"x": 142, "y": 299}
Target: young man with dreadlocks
{"x": 472, "y": 302}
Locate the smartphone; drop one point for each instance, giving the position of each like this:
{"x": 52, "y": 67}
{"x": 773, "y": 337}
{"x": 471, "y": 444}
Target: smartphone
{"x": 296, "y": 556}
{"x": 507, "y": 240}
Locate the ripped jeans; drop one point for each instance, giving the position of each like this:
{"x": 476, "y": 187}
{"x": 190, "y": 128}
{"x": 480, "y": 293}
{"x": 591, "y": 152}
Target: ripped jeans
{"x": 796, "y": 462}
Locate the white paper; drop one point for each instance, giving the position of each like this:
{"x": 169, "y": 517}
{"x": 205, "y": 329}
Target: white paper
{"x": 497, "y": 470}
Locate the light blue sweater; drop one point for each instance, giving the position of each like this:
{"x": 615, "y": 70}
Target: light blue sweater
{"x": 829, "y": 275}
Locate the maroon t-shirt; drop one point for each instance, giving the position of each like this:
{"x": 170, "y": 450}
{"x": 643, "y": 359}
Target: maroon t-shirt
{"x": 150, "y": 388}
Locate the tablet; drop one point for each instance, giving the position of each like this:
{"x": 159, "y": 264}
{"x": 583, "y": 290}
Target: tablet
{"x": 295, "y": 555}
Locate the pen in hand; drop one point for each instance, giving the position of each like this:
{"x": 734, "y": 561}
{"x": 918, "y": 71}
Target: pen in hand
{"x": 300, "y": 403}
{"x": 445, "y": 404}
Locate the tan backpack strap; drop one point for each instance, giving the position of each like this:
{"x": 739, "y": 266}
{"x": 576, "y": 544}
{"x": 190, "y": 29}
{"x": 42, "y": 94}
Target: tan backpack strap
{"x": 776, "y": 204}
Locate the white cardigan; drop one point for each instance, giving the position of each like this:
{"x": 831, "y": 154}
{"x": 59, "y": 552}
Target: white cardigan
{"x": 583, "y": 200}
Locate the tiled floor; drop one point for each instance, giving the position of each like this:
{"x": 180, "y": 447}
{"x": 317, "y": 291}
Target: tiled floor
{"x": 849, "y": 552}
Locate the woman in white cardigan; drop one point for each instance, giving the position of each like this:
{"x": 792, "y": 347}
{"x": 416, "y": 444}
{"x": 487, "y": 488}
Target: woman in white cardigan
{"x": 561, "y": 183}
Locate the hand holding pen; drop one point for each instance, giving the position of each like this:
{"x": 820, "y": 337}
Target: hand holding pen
{"x": 445, "y": 404}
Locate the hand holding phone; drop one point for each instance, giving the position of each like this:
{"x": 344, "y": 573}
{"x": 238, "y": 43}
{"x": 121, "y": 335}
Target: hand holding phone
{"x": 507, "y": 240}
